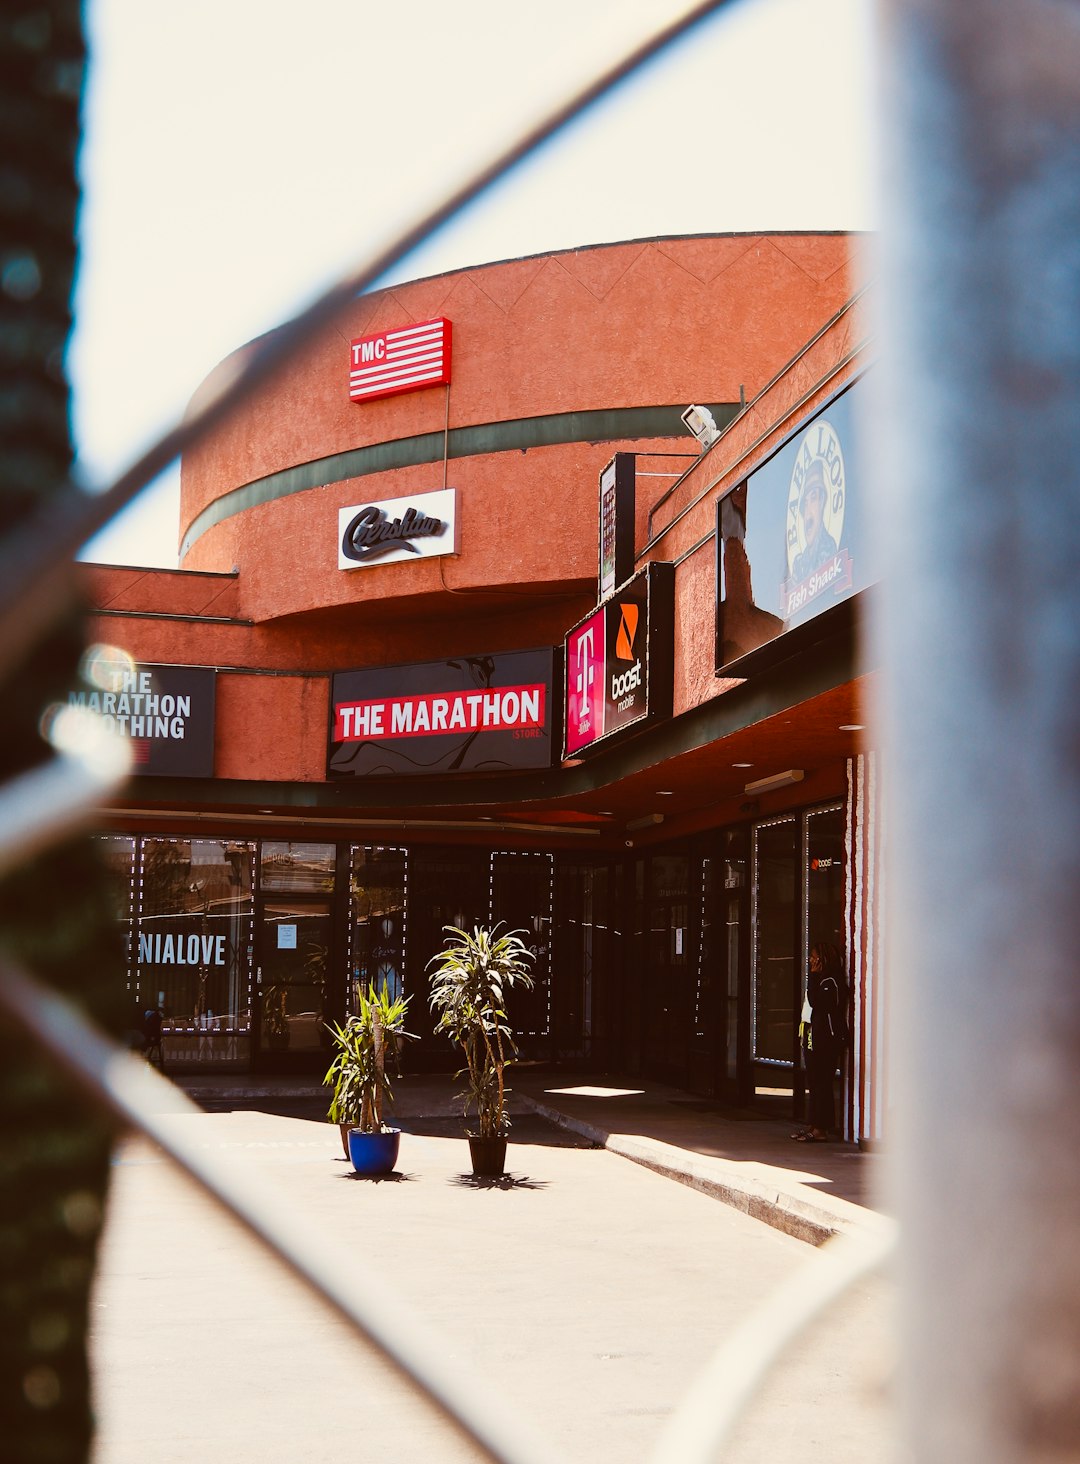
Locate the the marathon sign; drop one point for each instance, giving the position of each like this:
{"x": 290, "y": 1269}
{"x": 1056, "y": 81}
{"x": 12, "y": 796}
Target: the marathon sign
{"x": 792, "y": 540}
{"x": 618, "y": 661}
{"x": 166, "y": 711}
{"x": 467, "y": 714}
{"x": 406, "y": 358}
{"x": 422, "y": 526}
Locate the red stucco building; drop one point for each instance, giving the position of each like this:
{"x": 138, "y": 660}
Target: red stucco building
{"x": 418, "y": 675}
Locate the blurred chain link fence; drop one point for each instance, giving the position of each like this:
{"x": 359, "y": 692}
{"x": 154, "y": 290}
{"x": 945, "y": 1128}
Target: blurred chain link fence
{"x": 976, "y": 444}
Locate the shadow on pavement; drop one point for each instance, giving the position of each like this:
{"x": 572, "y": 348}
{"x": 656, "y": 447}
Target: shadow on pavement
{"x": 500, "y": 1182}
{"x": 527, "y": 1127}
{"x": 396, "y": 1176}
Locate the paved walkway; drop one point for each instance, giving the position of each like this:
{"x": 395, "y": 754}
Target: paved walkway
{"x": 811, "y": 1191}
{"x": 582, "y": 1296}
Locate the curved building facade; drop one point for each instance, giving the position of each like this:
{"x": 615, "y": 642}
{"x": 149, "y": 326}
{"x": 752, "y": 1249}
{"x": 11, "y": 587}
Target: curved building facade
{"x": 475, "y": 621}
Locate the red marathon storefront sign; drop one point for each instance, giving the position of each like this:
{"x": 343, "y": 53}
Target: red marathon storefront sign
{"x": 470, "y": 714}
{"x": 618, "y": 662}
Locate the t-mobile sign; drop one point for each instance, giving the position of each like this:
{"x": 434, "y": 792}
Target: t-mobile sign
{"x": 585, "y": 649}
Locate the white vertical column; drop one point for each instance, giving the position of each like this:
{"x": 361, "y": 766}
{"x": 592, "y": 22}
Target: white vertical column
{"x": 976, "y": 458}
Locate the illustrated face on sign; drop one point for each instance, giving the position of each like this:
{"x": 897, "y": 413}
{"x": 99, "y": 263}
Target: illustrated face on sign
{"x": 812, "y": 505}
{"x": 816, "y": 501}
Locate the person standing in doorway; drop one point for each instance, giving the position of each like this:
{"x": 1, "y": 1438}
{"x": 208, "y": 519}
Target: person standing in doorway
{"x": 825, "y": 1039}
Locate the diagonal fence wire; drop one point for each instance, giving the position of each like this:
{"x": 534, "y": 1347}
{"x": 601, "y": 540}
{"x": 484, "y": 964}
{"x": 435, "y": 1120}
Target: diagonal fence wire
{"x": 707, "y": 1416}
{"x": 35, "y": 559}
{"x": 134, "y": 1094}
{"x": 41, "y": 807}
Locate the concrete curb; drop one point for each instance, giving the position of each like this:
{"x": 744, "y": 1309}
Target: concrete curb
{"x": 797, "y": 1212}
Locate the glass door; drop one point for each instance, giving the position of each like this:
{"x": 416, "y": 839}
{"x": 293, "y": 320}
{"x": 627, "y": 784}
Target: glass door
{"x": 798, "y": 887}
{"x": 294, "y": 964}
{"x": 776, "y": 974}
{"x": 670, "y": 970}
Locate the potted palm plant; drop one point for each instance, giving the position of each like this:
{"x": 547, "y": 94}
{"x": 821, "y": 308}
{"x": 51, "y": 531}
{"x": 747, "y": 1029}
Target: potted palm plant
{"x": 470, "y": 984}
{"x": 365, "y": 1052}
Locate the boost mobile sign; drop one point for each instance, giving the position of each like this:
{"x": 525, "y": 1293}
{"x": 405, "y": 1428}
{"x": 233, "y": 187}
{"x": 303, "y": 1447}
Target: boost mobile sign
{"x": 618, "y": 661}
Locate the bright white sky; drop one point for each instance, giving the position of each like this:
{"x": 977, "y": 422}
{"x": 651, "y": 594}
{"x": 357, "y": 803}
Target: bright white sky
{"x": 240, "y": 153}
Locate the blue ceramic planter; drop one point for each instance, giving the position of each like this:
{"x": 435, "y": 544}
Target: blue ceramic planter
{"x": 374, "y": 1153}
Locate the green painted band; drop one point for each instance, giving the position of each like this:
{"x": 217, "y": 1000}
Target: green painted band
{"x": 608, "y": 424}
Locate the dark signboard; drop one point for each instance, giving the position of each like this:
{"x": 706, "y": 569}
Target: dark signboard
{"x": 618, "y": 661}
{"x": 793, "y": 540}
{"x": 471, "y": 714}
{"x": 166, "y": 711}
{"x": 618, "y": 487}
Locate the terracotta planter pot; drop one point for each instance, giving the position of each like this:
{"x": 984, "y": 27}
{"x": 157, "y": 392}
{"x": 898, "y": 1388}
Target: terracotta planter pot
{"x": 488, "y": 1157}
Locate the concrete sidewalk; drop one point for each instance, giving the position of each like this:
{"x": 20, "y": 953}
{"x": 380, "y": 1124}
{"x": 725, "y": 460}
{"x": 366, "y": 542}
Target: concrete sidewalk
{"x": 583, "y": 1294}
{"x": 810, "y": 1191}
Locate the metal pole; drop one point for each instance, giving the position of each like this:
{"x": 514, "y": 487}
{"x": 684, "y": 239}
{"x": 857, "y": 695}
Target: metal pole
{"x": 976, "y": 470}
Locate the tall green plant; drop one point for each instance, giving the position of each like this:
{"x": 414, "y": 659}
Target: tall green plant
{"x": 366, "y": 1049}
{"x": 469, "y": 986}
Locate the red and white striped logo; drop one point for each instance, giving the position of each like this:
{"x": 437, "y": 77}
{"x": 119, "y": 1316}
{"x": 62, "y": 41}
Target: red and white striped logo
{"x": 404, "y": 359}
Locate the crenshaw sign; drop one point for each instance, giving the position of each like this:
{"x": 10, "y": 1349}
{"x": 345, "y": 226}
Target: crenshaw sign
{"x": 396, "y": 529}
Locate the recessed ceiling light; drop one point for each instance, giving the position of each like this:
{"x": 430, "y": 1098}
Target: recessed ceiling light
{"x": 665, "y": 793}
{"x": 742, "y": 765}
{"x": 852, "y": 727}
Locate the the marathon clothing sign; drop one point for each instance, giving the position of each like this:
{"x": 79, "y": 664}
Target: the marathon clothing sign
{"x": 166, "y": 711}
{"x": 468, "y": 714}
{"x": 792, "y": 540}
{"x": 618, "y": 661}
{"x": 422, "y": 526}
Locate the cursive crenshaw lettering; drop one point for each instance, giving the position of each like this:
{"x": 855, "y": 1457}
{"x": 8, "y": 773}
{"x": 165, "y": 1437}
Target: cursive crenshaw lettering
{"x": 370, "y": 533}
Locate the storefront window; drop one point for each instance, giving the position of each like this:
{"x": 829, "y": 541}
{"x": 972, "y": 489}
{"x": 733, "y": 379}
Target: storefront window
{"x": 798, "y": 900}
{"x": 298, "y": 868}
{"x": 193, "y": 957}
{"x": 735, "y": 879}
{"x": 704, "y": 1002}
{"x": 774, "y": 930}
{"x": 117, "y": 853}
{"x": 378, "y": 883}
{"x": 522, "y": 898}
{"x": 823, "y": 861}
